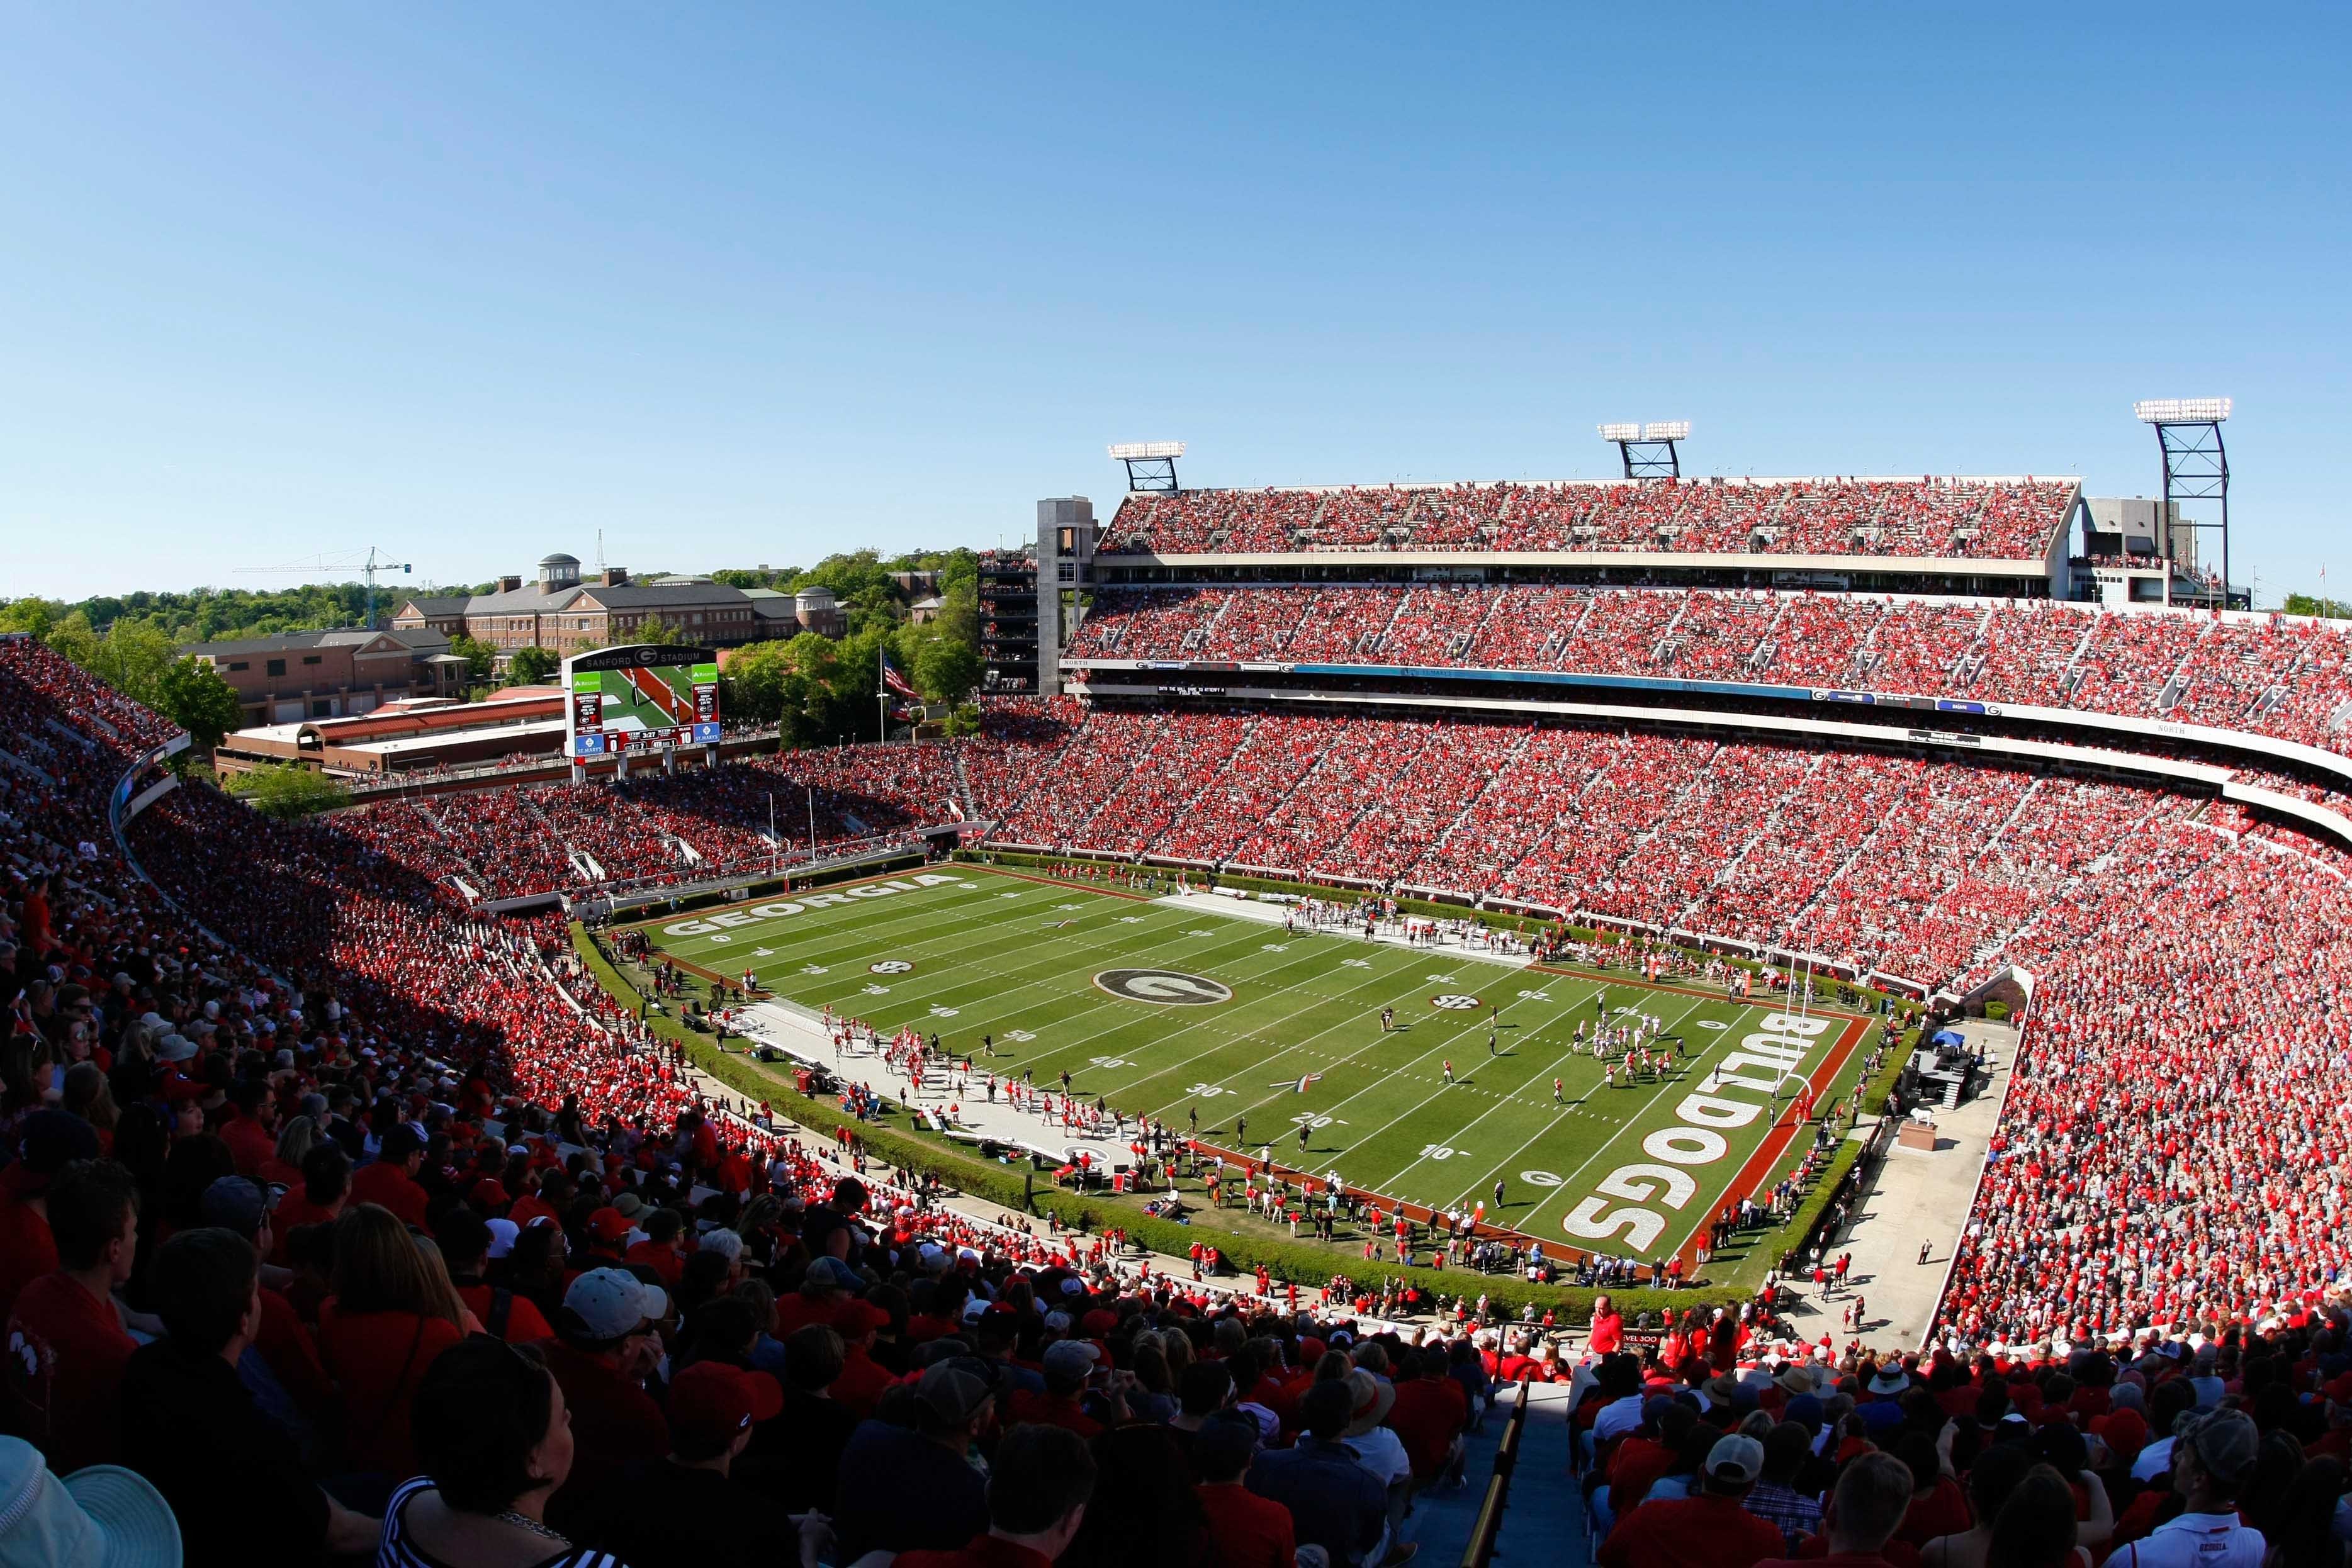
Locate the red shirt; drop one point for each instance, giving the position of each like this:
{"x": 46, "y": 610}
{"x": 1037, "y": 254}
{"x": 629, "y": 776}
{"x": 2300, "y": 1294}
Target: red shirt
{"x": 379, "y": 1358}
{"x": 27, "y": 1251}
{"x": 661, "y": 1259}
{"x": 1045, "y": 1410}
{"x": 249, "y": 1143}
{"x": 1608, "y": 1334}
{"x": 285, "y": 1343}
{"x": 1944, "y": 1510}
{"x": 293, "y": 1210}
{"x": 1691, "y": 1532}
{"x": 526, "y": 1324}
{"x": 529, "y": 1206}
{"x": 65, "y": 1367}
{"x": 923, "y": 1328}
{"x": 389, "y": 1186}
{"x": 1250, "y": 1530}
{"x": 613, "y": 1421}
{"x": 861, "y": 1383}
{"x": 1428, "y": 1411}
{"x": 1634, "y": 1463}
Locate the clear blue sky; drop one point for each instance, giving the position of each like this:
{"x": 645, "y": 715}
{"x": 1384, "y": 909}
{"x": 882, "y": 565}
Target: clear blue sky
{"x": 743, "y": 284}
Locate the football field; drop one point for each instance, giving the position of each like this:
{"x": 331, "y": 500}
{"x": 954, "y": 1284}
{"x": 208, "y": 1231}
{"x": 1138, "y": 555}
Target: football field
{"x": 1167, "y": 1008}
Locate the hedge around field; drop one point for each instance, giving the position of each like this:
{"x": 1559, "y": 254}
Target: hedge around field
{"x": 1311, "y": 1267}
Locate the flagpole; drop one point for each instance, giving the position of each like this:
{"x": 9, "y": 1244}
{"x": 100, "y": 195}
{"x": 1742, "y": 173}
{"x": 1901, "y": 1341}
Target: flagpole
{"x": 881, "y": 698}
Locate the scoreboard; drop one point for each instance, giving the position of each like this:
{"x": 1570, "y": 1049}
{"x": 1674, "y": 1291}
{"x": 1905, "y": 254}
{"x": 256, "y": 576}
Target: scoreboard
{"x": 640, "y": 700}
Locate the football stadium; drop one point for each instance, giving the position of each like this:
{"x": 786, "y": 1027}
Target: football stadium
{"x": 1426, "y": 976}
{"x": 1538, "y": 914}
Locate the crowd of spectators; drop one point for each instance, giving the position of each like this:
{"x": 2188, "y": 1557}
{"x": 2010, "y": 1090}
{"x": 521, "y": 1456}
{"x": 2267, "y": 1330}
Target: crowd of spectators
{"x": 285, "y": 1133}
{"x": 2266, "y": 674}
{"x": 2149, "y": 1451}
{"x": 383, "y": 1234}
{"x": 1915, "y": 869}
{"x": 1938, "y": 518}
{"x": 537, "y": 839}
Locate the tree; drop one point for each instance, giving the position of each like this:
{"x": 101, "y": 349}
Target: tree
{"x": 287, "y": 790}
{"x": 947, "y": 670}
{"x": 2310, "y": 604}
{"x": 71, "y": 638}
{"x": 531, "y": 665}
{"x": 660, "y": 633}
{"x": 131, "y": 655}
{"x": 958, "y": 614}
{"x": 481, "y": 658}
{"x": 191, "y": 694}
{"x": 759, "y": 683}
{"x": 30, "y": 614}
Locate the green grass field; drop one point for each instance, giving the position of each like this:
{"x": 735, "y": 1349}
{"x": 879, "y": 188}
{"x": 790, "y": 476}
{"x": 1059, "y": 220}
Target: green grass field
{"x": 982, "y": 952}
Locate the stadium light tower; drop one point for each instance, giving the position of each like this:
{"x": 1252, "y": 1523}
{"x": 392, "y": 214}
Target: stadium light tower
{"x": 2196, "y": 466}
{"x": 1649, "y": 450}
{"x": 1150, "y": 464}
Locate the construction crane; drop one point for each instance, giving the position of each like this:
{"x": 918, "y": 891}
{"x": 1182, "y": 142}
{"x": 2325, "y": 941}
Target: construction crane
{"x": 368, "y": 563}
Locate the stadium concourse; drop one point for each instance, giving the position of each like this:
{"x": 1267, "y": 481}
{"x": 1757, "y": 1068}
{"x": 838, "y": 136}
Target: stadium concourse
{"x": 247, "y": 1059}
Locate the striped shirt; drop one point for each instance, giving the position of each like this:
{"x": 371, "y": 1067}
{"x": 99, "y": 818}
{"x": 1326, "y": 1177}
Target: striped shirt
{"x": 396, "y": 1549}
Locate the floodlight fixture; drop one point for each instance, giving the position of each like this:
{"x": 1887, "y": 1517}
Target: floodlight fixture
{"x": 2181, "y": 410}
{"x": 1150, "y": 464}
{"x": 1648, "y": 450}
{"x": 2196, "y": 468}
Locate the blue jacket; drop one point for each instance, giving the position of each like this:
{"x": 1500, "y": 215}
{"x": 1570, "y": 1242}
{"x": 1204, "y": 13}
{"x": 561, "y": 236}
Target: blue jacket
{"x": 1334, "y": 1502}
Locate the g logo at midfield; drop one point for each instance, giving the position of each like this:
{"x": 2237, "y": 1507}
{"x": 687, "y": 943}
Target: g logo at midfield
{"x": 1454, "y": 1002}
{"x": 891, "y": 966}
{"x": 1167, "y": 987}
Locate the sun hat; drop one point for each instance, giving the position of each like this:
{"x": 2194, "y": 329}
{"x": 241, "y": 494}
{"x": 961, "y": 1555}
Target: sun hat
{"x": 1373, "y": 1400}
{"x": 102, "y": 1516}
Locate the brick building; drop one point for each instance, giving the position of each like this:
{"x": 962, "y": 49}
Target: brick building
{"x": 300, "y": 675}
{"x": 558, "y": 609}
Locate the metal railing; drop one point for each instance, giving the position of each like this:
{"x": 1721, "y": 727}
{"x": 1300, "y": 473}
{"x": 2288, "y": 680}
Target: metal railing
{"x": 1488, "y": 1525}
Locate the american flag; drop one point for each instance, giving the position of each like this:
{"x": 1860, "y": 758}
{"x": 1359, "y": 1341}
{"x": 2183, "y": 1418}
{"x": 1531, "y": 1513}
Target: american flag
{"x": 893, "y": 680}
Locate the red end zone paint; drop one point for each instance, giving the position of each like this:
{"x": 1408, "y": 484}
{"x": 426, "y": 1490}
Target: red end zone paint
{"x": 1776, "y": 1142}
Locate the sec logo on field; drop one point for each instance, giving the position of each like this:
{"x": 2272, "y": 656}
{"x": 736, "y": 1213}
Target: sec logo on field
{"x": 1164, "y": 988}
{"x": 891, "y": 966}
{"x": 1454, "y": 1002}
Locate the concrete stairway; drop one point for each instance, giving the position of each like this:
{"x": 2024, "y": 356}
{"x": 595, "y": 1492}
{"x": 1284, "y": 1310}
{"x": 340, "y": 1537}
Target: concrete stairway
{"x": 1543, "y": 1519}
